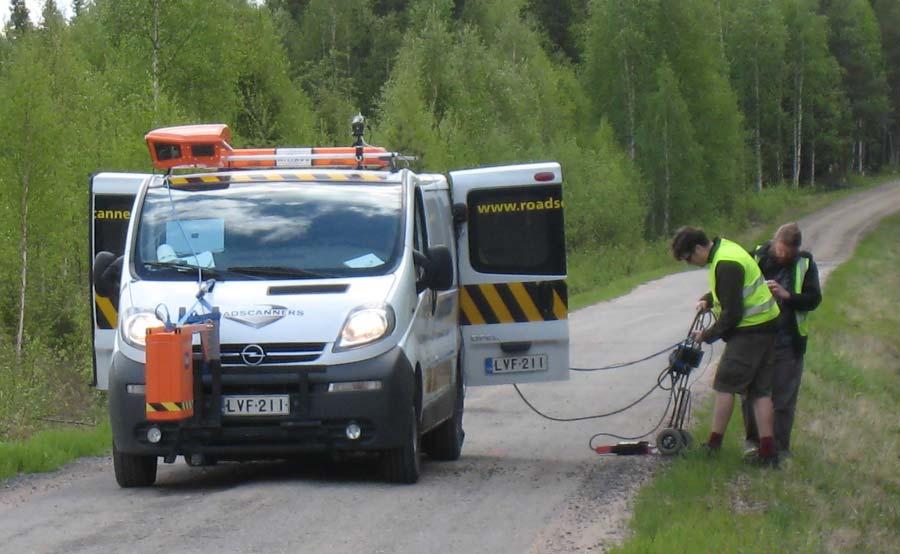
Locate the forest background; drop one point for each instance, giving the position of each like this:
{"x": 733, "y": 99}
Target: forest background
{"x": 662, "y": 113}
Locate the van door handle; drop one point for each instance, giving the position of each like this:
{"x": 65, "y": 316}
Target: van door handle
{"x": 515, "y": 347}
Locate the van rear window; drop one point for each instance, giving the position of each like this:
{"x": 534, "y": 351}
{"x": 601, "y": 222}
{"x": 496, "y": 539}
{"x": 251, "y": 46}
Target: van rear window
{"x": 517, "y": 231}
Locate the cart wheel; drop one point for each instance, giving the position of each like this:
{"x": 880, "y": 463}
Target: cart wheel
{"x": 669, "y": 442}
{"x": 686, "y": 438}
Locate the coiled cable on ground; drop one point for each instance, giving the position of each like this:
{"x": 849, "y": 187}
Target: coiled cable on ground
{"x": 701, "y": 321}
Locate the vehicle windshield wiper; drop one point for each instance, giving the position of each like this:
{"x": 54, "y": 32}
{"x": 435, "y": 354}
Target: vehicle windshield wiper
{"x": 278, "y": 271}
{"x": 185, "y": 268}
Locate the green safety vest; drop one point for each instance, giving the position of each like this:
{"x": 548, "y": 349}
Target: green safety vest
{"x": 800, "y": 270}
{"x": 799, "y": 274}
{"x": 759, "y": 304}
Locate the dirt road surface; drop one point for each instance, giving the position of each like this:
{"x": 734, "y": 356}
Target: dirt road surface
{"x": 524, "y": 484}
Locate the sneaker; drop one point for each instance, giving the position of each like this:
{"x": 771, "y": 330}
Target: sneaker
{"x": 756, "y": 460}
{"x": 750, "y": 446}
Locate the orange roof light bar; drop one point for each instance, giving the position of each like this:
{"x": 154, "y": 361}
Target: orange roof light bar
{"x": 208, "y": 146}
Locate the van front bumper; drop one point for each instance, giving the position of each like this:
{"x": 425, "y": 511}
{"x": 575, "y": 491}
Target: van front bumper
{"x": 317, "y": 422}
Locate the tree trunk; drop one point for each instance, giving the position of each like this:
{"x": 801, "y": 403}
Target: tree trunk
{"x": 812, "y": 163}
{"x": 154, "y": 57}
{"x": 630, "y": 100}
{"x": 23, "y": 247}
{"x": 757, "y": 137}
{"x": 668, "y": 182}
{"x": 798, "y": 131}
{"x": 861, "y": 148}
{"x": 892, "y": 149}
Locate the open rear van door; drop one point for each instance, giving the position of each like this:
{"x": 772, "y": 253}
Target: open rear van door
{"x": 512, "y": 273}
{"x": 112, "y": 199}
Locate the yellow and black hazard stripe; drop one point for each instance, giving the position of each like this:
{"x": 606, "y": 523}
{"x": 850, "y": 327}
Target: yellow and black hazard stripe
{"x": 295, "y": 176}
{"x": 513, "y": 303}
{"x": 107, "y": 315}
{"x": 154, "y": 407}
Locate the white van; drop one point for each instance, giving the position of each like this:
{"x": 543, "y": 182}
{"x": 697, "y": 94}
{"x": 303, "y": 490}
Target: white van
{"x": 355, "y": 304}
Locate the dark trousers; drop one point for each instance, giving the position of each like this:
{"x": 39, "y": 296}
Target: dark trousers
{"x": 785, "y": 389}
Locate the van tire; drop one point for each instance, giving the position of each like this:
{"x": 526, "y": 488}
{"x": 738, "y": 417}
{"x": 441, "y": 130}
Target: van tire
{"x": 403, "y": 465}
{"x": 134, "y": 470}
{"x": 445, "y": 442}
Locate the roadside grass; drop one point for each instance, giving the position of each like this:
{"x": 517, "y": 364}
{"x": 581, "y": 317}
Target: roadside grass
{"x": 49, "y": 449}
{"x": 50, "y": 413}
{"x": 840, "y": 492}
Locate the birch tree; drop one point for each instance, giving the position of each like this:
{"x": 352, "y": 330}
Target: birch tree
{"x": 813, "y": 82}
{"x": 28, "y": 124}
{"x": 618, "y": 61}
{"x": 755, "y": 45}
{"x": 888, "y": 15}
{"x": 671, "y": 154}
{"x": 855, "y": 40}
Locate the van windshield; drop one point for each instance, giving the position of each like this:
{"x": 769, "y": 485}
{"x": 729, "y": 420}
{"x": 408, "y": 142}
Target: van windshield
{"x": 270, "y": 230}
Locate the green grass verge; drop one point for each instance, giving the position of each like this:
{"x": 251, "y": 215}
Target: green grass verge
{"x": 49, "y": 449}
{"x": 840, "y": 491}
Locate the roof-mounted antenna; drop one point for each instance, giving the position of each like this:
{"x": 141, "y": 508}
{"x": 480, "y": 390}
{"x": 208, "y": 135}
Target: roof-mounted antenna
{"x": 358, "y": 126}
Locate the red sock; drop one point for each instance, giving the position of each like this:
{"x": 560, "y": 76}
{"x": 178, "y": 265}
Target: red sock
{"x": 715, "y": 440}
{"x": 766, "y": 447}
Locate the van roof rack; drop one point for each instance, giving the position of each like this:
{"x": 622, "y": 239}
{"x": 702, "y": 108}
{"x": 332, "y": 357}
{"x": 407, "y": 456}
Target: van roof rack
{"x": 209, "y": 146}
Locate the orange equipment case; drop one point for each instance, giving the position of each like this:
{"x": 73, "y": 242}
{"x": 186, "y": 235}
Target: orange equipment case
{"x": 169, "y": 374}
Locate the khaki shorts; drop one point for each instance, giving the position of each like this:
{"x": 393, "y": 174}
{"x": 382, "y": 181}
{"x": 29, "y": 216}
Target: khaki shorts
{"x": 747, "y": 365}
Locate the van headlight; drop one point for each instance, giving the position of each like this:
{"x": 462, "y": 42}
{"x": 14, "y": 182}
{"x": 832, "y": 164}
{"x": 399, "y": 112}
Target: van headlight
{"x": 135, "y": 324}
{"x": 365, "y": 325}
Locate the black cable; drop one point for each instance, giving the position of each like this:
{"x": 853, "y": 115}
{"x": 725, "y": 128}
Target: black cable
{"x": 626, "y": 364}
{"x": 597, "y": 416}
{"x": 624, "y": 438}
{"x": 699, "y": 322}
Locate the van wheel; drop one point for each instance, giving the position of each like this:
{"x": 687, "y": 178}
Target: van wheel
{"x": 446, "y": 441}
{"x": 134, "y": 470}
{"x": 402, "y": 465}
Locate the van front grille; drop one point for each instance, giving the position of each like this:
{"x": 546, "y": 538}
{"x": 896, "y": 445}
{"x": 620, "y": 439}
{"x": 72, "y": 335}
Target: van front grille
{"x": 268, "y": 354}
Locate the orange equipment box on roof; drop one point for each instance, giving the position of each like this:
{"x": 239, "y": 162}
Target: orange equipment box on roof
{"x": 169, "y": 374}
{"x": 209, "y": 146}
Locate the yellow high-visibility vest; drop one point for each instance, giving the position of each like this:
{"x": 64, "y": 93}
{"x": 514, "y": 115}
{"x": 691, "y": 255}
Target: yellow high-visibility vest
{"x": 759, "y": 305}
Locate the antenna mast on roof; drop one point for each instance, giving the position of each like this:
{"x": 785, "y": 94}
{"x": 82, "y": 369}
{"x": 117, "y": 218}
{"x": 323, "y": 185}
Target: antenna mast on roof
{"x": 358, "y": 126}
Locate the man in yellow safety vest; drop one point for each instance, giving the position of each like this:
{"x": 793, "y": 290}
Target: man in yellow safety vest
{"x": 793, "y": 279}
{"x": 747, "y": 319}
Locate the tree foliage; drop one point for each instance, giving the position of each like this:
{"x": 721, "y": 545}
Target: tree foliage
{"x": 661, "y": 112}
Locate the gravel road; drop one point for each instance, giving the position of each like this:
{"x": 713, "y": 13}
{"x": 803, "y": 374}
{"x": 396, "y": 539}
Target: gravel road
{"x": 523, "y": 484}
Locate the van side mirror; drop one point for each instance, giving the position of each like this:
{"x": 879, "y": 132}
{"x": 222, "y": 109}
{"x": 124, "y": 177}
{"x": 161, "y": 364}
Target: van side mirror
{"x": 440, "y": 268}
{"x": 106, "y": 274}
{"x": 436, "y": 267}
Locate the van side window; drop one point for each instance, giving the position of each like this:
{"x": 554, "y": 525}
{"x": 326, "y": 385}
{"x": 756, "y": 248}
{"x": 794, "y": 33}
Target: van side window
{"x": 517, "y": 230}
{"x": 437, "y": 218}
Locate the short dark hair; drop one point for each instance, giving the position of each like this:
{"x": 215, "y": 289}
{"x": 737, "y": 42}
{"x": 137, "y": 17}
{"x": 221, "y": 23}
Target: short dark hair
{"x": 686, "y": 239}
{"x": 789, "y": 234}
